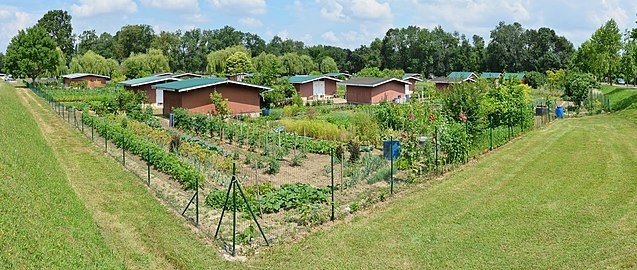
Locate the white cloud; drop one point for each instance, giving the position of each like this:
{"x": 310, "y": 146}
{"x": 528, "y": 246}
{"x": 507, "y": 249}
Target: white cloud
{"x": 284, "y": 34}
{"x": 253, "y": 7}
{"x": 86, "y": 8}
{"x": 174, "y": 5}
{"x": 370, "y": 10}
{"x": 333, "y": 10}
{"x": 330, "y": 37}
{"x": 11, "y": 21}
{"x": 251, "y": 22}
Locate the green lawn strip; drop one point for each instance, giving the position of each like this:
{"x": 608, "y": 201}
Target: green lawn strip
{"x": 143, "y": 233}
{"x": 43, "y": 223}
{"x": 561, "y": 197}
{"x": 620, "y": 97}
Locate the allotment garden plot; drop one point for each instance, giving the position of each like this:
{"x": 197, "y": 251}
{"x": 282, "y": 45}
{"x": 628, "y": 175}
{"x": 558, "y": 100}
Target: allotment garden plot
{"x": 299, "y": 167}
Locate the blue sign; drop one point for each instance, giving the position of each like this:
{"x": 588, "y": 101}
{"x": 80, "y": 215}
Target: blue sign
{"x": 391, "y": 149}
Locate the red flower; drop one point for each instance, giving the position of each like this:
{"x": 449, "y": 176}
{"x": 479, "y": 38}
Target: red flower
{"x": 463, "y": 117}
{"x": 403, "y": 135}
{"x": 411, "y": 116}
{"x": 432, "y": 118}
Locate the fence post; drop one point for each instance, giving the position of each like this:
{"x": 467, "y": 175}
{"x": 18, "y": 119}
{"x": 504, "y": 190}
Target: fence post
{"x": 123, "y": 149}
{"x": 436, "y": 147}
{"x": 74, "y": 117}
{"x": 234, "y": 212}
{"x": 391, "y": 165}
{"x": 332, "y": 186}
{"x": 148, "y": 163}
{"x": 82, "y": 120}
{"x": 105, "y": 138}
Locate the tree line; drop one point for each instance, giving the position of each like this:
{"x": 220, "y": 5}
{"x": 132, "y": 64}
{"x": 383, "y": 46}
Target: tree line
{"x": 137, "y": 50}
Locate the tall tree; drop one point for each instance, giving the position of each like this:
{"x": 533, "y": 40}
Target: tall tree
{"x": 239, "y": 62}
{"x": 217, "y": 60}
{"x": 105, "y": 45}
{"x": 57, "y": 23}
{"x": 1, "y": 61}
{"x": 31, "y": 53}
{"x": 133, "y": 39}
{"x": 607, "y": 42}
{"x": 506, "y": 49}
{"x": 328, "y": 65}
{"x": 254, "y": 43}
{"x": 87, "y": 41}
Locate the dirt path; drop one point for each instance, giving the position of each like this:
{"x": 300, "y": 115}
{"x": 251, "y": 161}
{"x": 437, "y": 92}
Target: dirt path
{"x": 139, "y": 229}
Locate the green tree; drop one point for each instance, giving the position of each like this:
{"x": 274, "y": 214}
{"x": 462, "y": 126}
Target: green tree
{"x": 307, "y": 64}
{"x": 217, "y": 60}
{"x": 87, "y": 41}
{"x": 268, "y": 67}
{"x": 105, "y": 45}
{"x": 141, "y": 65}
{"x": 220, "y": 103}
{"x": 629, "y": 60}
{"x": 238, "y": 62}
{"x": 607, "y": 43}
{"x": 536, "y": 79}
{"x": 61, "y": 68}
{"x": 157, "y": 61}
{"x": 31, "y": 53}
{"x": 1, "y": 61}
{"x": 578, "y": 85}
{"x": 57, "y": 23}
{"x": 370, "y": 72}
{"x": 506, "y": 49}
{"x": 133, "y": 39}
{"x": 91, "y": 62}
{"x": 556, "y": 78}
{"x": 328, "y": 65}
{"x": 291, "y": 64}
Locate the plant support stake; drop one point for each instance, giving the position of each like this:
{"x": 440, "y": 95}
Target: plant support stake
{"x": 332, "y": 186}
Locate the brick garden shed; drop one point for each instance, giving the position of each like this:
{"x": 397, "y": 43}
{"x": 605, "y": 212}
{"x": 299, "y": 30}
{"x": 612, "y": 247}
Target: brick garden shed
{"x": 92, "y": 80}
{"x": 412, "y": 78}
{"x": 374, "y": 90}
{"x": 145, "y": 85}
{"x": 314, "y": 86}
{"x": 194, "y": 94}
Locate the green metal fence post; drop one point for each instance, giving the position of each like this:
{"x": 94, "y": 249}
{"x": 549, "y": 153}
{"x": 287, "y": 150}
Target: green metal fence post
{"x": 234, "y": 214}
{"x": 332, "y": 186}
{"x": 123, "y": 149}
{"x": 391, "y": 165}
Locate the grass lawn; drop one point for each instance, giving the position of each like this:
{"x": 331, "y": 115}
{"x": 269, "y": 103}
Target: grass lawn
{"x": 620, "y": 97}
{"x": 43, "y": 223}
{"x": 122, "y": 223}
{"x": 561, "y": 197}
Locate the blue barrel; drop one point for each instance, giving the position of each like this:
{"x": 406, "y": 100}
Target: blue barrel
{"x": 171, "y": 120}
{"x": 265, "y": 112}
{"x": 559, "y": 112}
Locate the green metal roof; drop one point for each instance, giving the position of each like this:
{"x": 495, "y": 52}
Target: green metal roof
{"x": 195, "y": 83}
{"x": 309, "y": 78}
{"x": 147, "y": 80}
{"x": 514, "y": 75}
{"x": 460, "y": 75}
{"x": 490, "y": 75}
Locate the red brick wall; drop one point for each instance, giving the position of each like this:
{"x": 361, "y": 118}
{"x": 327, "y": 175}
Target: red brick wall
{"x": 147, "y": 89}
{"x": 369, "y": 95}
{"x": 241, "y": 99}
{"x": 412, "y": 86}
{"x": 171, "y": 100}
{"x": 359, "y": 94}
{"x": 307, "y": 89}
{"x": 92, "y": 81}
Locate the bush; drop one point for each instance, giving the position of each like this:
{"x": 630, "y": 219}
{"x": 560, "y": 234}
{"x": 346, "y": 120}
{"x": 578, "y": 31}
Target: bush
{"x": 316, "y": 128}
{"x": 354, "y": 151}
{"x": 273, "y": 166}
{"x": 536, "y": 79}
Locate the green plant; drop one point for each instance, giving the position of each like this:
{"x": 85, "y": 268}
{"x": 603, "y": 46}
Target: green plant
{"x": 354, "y": 151}
{"x": 297, "y": 160}
{"x": 220, "y": 104}
{"x": 312, "y": 215}
{"x": 273, "y": 166}
{"x": 354, "y": 206}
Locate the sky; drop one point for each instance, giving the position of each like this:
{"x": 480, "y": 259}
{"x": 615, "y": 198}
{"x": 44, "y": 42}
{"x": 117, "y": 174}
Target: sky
{"x": 343, "y": 23}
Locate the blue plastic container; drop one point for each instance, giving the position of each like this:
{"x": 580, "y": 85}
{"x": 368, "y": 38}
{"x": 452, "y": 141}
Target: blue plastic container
{"x": 171, "y": 120}
{"x": 265, "y": 112}
{"x": 391, "y": 149}
{"x": 559, "y": 112}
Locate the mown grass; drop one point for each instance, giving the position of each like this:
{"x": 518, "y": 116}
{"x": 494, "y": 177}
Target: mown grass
{"x": 560, "y": 197}
{"x": 141, "y": 232}
{"x": 620, "y": 97}
{"x": 43, "y": 223}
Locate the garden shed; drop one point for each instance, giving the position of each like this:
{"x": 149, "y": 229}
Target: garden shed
{"x": 194, "y": 94}
{"x": 91, "y": 80}
{"x": 314, "y": 86}
{"x": 365, "y": 90}
{"x": 145, "y": 85}
{"x": 412, "y": 78}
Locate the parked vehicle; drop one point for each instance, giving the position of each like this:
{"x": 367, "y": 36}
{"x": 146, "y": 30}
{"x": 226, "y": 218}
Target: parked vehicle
{"x": 620, "y": 81}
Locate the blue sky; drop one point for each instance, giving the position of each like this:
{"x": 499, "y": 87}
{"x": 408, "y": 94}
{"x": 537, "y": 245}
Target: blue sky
{"x": 345, "y": 23}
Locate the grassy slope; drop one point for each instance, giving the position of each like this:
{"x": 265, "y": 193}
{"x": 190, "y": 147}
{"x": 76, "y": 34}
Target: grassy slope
{"x": 43, "y": 224}
{"x": 562, "y": 197}
{"x": 620, "y": 97}
{"x": 143, "y": 233}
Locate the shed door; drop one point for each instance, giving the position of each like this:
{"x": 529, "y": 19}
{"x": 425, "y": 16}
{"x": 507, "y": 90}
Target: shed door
{"x": 319, "y": 88}
{"x": 407, "y": 91}
{"x": 159, "y": 96}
